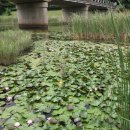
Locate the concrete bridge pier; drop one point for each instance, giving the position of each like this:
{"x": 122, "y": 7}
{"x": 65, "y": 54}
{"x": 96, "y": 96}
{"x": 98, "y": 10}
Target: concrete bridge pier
{"x": 68, "y": 12}
{"x": 32, "y": 15}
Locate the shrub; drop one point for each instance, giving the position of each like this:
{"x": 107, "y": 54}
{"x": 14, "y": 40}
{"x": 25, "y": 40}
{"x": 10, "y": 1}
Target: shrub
{"x": 12, "y": 45}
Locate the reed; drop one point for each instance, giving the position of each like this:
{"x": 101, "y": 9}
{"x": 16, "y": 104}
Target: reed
{"x": 8, "y": 22}
{"x": 100, "y": 27}
{"x": 55, "y": 21}
{"x": 12, "y": 45}
{"x": 123, "y": 79}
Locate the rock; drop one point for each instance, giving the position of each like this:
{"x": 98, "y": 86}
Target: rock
{"x": 76, "y": 120}
{"x": 87, "y": 106}
{"x": 52, "y": 121}
{"x": 70, "y": 108}
{"x": 79, "y": 124}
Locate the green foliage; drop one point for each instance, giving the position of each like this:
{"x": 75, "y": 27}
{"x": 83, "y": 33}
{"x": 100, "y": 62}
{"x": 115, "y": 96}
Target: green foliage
{"x": 8, "y": 23}
{"x": 6, "y": 7}
{"x": 127, "y": 6}
{"x": 68, "y": 81}
{"x": 12, "y": 44}
{"x": 123, "y": 79}
{"x": 54, "y": 7}
{"x": 100, "y": 26}
{"x": 124, "y": 88}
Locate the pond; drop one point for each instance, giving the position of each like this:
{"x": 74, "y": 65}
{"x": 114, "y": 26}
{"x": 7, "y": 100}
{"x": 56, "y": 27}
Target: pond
{"x": 60, "y": 84}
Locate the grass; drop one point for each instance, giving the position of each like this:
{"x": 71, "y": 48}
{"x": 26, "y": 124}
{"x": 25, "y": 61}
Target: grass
{"x": 122, "y": 69}
{"x": 99, "y": 27}
{"x": 8, "y": 22}
{"x": 51, "y": 13}
{"x": 123, "y": 79}
{"x": 54, "y": 13}
{"x": 124, "y": 88}
{"x": 12, "y": 45}
{"x": 55, "y": 18}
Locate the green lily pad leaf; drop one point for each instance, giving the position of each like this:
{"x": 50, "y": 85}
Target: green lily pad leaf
{"x": 84, "y": 115}
{"x": 47, "y": 110}
{"x": 58, "y": 112}
{"x": 90, "y": 127}
{"x": 74, "y": 100}
{"x": 2, "y": 103}
{"x": 5, "y": 115}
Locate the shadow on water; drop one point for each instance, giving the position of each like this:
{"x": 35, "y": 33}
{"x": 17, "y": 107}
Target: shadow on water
{"x": 54, "y": 32}
{"x": 1, "y": 128}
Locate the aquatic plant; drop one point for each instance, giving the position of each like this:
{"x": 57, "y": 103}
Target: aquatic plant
{"x": 60, "y": 85}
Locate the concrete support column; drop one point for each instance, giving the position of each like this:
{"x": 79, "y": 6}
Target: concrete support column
{"x": 33, "y": 15}
{"x": 68, "y": 12}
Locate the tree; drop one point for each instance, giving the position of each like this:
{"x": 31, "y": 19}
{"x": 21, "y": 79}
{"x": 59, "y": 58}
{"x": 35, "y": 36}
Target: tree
{"x": 125, "y": 3}
{"x": 6, "y": 7}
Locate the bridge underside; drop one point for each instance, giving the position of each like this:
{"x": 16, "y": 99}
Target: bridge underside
{"x": 32, "y": 14}
{"x": 69, "y": 8}
{"x": 63, "y": 3}
{"x": 70, "y": 4}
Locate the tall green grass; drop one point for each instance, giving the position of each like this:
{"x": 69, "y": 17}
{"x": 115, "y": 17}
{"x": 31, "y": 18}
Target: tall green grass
{"x": 8, "y": 22}
{"x": 100, "y": 26}
{"x": 55, "y": 21}
{"x": 124, "y": 88}
{"x": 123, "y": 79}
{"x": 12, "y": 45}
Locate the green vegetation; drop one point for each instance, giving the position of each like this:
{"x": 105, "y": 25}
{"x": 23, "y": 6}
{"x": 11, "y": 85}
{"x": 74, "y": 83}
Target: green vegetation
{"x": 66, "y": 85}
{"x": 12, "y": 44}
{"x": 54, "y": 13}
{"x": 8, "y": 22}
{"x": 6, "y": 7}
{"x": 55, "y": 18}
{"x": 99, "y": 27}
{"x": 57, "y": 90}
{"x": 123, "y": 89}
{"x": 123, "y": 80}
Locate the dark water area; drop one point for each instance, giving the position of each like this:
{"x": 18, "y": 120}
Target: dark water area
{"x": 54, "y": 32}
{"x": 1, "y": 128}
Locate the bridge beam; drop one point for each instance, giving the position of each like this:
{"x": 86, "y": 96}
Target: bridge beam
{"x": 68, "y": 12}
{"x": 33, "y": 15}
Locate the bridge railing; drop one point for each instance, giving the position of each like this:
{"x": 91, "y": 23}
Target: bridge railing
{"x": 97, "y": 2}
{"x": 104, "y": 2}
